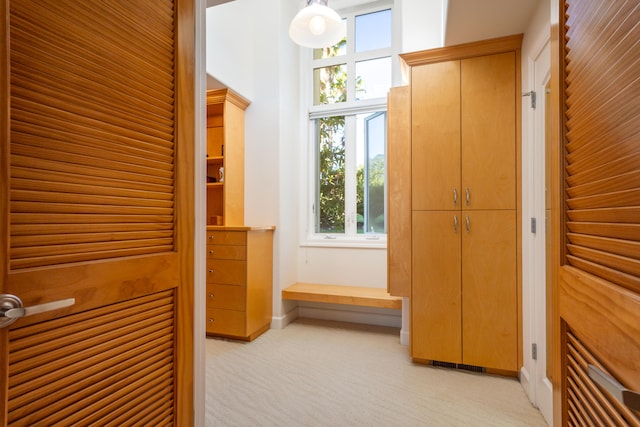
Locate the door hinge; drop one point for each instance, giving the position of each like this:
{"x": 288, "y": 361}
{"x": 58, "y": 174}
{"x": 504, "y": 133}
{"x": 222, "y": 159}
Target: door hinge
{"x": 534, "y": 225}
{"x": 531, "y": 94}
{"x": 534, "y": 351}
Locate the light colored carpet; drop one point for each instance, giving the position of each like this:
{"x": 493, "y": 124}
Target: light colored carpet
{"x": 320, "y": 373}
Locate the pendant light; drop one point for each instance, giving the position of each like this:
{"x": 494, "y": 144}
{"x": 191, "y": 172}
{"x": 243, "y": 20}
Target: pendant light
{"x": 317, "y": 25}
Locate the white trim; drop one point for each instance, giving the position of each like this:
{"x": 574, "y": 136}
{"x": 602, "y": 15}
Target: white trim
{"x": 200, "y": 206}
{"x": 353, "y": 108}
{"x": 281, "y": 322}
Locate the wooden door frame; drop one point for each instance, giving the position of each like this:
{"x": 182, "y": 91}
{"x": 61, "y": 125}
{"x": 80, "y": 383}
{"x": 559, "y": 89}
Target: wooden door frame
{"x": 4, "y": 184}
{"x": 557, "y": 135}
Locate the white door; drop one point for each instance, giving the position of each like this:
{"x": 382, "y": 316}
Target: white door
{"x": 542, "y": 384}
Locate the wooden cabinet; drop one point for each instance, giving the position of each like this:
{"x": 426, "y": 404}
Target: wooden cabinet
{"x": 464, "y": 157}
{"x": 225, "y": 157}
{"x": 239, "y": 258}
{"x": 239, "y": 281}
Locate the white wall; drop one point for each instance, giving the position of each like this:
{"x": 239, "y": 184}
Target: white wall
{"x": 248, "y": 50}
{"x": 422, "y": 25}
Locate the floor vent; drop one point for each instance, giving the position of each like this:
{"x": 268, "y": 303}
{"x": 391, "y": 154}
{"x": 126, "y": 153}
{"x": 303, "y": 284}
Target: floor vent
{"x": 471, "y": 368}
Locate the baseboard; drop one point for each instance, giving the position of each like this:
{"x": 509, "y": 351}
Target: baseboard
{"x": 525, "y": 381}
{"x": 280, "y": 322}
{"x": 404, "y": 337}
{"x": 353, "y": 314}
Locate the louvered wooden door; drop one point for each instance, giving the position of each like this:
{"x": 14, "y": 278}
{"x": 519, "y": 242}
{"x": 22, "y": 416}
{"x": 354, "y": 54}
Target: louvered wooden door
{"x": 97, "y": 205}
{"x": 597, "y": 227}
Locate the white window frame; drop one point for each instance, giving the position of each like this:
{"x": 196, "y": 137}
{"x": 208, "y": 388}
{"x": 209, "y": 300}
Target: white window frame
{"x": 349, "y": 109}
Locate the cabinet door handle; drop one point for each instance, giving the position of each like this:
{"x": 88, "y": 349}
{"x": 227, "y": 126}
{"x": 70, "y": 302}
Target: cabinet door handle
{"x": 455, "y": 223}
{"x": 467, "y": 195}
{"x": 627, "y": 397}
{"x": 455, "y": 196}
{"x": 210, "y": 236}
{"x": 468, "y": 224}
{"x": 211, "y": 295}
{"x": 211, "y": 252}
{"x": 212, "y": 271}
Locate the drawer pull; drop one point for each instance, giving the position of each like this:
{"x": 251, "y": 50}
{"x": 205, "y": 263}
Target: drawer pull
{"x": 211, "y": 320}
{"x": 210, "y": 236}
{"x": 211, "y": 252}
{"x": 212, "y": 271}
{"x": 211, "y": 295}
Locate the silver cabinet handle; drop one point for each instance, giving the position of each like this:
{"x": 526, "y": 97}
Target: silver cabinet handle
{"x": 467, "y": 195}
{"x": 455, "y": 223}
{"x": 455, "y": 196}
{"x": 627, "y": 397}
{"x": 468, "y": 224}
{"x": 11, "y": 308}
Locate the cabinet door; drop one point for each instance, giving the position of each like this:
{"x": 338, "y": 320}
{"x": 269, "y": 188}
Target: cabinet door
{"x": 435, "y": 294}
{"x": 489, "y": 296}
{"x": 435, "y": 136}
{"x": 488, "y": 93}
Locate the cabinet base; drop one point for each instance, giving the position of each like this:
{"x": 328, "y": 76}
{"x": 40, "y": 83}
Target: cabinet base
{"x": 248, "y": 338}
{"x": 461, "y": 366}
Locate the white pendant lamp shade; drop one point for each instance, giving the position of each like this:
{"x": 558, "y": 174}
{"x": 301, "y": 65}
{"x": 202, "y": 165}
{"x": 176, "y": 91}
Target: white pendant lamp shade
{"x": 317, "y": 25}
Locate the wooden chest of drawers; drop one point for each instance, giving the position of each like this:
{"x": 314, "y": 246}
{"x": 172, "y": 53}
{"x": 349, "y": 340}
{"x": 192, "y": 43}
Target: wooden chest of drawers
{"x": 239, "y": 281}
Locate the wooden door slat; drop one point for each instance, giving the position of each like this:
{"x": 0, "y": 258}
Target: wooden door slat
{"x": 609, "y": 215}
{"x": 90, "y": 172}
{"x": 80, "y": 257}
{"x": 609, "y": 200}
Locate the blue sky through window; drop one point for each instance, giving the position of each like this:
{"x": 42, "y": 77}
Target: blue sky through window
{"x": 373, "y": 31}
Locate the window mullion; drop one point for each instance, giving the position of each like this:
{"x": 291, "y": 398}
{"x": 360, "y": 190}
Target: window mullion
{"x": 351, "y": 228}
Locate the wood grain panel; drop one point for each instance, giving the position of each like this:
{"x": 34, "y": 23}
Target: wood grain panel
{"x": 435, "y": 136}
{"x": 399, "y": 191}
{"x": 98, "y": 368}
{"x": 489, "y": 290}
{"x": 436, "y": 295}
{"x": 488, "y": 116}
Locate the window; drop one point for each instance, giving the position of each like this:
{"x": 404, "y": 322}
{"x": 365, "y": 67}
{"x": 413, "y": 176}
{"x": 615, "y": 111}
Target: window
{"x": 348, "y": 124}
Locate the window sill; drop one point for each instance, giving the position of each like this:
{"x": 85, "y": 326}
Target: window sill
{"x": 343, "y": 242}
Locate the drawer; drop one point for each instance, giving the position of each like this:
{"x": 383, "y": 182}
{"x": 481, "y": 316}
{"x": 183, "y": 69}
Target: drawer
{"x": 230, "y": 297}
{"x": 226, "y": 252}
{"x": 227, "y": 238}
{"x": 226, "y": 322}
{"x": 226, "y": 271}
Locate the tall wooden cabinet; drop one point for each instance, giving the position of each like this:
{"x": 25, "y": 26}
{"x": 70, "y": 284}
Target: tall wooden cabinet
{"x": 464, "y": 156}
{"x": 225, "y": 157}
{"x": 239, "y": 257}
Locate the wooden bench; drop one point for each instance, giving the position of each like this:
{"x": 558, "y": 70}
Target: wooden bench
{"x": 339, "y": 294}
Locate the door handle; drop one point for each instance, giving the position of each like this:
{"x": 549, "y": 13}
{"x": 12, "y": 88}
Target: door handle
{"x": 11, "y": 308}
{"x": 627, "y": 397}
